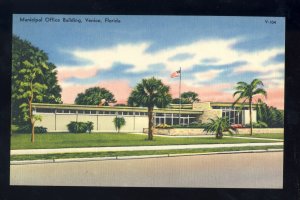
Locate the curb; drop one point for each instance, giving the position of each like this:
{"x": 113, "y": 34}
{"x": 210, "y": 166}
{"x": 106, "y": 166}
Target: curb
{"x": 24, "y": 162}
{"x": 141, "y": 157}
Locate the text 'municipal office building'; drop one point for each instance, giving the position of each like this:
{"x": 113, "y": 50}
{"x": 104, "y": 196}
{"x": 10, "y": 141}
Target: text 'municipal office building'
{"x": 55, "y": 117}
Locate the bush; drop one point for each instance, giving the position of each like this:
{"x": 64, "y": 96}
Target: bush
{"x": 119, "y": 122}
{"x": 259, "y": 124}
{"x": 196, "y": 125}
{"x": 90, "y": 126}
{"x": 24, "y": 128}
{"x": 163, "y": 126}
{"x": 40, "y": 129}
{"x": 80, "y": 127}
{"x": 191, "y": 125}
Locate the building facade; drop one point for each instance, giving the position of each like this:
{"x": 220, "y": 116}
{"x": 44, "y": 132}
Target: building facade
{"x": 55, "y": 117}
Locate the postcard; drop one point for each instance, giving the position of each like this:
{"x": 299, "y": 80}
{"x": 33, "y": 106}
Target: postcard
{"x": 147, "y": 101}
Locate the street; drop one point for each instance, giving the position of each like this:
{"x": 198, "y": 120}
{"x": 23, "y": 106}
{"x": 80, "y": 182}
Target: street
{"x": 241, "y": 170}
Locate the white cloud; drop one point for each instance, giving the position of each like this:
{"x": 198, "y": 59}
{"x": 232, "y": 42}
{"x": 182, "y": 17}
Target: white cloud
{"x": 207, "y": 75}
{"x": 136, "y": 55}
{"x": 272, "y": 75}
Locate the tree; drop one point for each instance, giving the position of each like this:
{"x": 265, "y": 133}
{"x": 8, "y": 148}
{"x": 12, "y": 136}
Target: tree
{"x": 149, "y": 93}
{"x": 217, "y": 126}
{"x": 246, "y": 92}
{"x": 119, "y": 122}
{"x": 273, "y": 117}
{"x": 190, "y": 97}
{"x": 94, "y": 95}
{"x": 177, "y": 101}
{"x": 31, "y": 88}
{"x": 120, "y": 104}
{"x": 30, "y": 66}
{"x": 53, "y": 89}
{"x": 187, "y": 98}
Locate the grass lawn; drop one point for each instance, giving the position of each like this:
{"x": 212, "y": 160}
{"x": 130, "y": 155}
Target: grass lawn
{"x": 69, "y": 140}
{"x": 264, "y": 135}
{"x": 135, "y": 153}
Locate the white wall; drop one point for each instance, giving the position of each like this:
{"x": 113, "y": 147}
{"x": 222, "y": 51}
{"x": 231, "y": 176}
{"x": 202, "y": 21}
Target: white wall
{"x": 102, "y": 123}
{"x": 246, "y": 114}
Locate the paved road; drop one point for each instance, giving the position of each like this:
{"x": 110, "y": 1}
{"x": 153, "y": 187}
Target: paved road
{"x": 137, "y": 148}
{"x": 244, "y": 170}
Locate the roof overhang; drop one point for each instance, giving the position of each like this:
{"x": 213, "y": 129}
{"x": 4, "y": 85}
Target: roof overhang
{"x": 114, "y": 108}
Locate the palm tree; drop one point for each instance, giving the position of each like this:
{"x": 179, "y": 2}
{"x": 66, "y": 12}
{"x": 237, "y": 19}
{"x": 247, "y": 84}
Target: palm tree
{"x": 90, "y": 126}
{"x": 218, "y": 126}
{"x": 149, "y": 93}
{"x": 119, "y": 122}
{"x": 246, "y": 92}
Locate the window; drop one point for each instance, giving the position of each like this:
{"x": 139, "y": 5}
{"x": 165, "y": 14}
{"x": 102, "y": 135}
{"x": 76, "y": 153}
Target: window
{"x": 59, "y": 111}
{"x": 168, "y": 121}
{"x": 45, "y": 110}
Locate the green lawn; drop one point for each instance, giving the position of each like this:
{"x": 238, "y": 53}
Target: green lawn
{"x": 69, "y": 140}
{"x": 135, "y": 153}
{"x": 264, "y": 135}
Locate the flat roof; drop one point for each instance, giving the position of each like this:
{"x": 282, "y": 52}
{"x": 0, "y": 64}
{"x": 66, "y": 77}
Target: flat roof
{"x": 115, "y": 108}
{"x": 229, "y": 104}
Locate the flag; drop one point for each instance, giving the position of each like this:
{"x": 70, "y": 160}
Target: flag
{"x": 175, "y": 74}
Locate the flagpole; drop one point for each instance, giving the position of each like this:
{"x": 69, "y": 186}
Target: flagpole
{"x": 180, "y": 96}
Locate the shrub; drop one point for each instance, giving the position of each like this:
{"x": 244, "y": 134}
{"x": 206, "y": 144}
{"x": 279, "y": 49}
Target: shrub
{"x": 40, "y": 129}
{"x": 24, "y": 128}
{"x": 90, "y": 126}
{"x": 196, "y": 125}
{"x": 80, "y": 127}
{"x": 259, "y": 124}
{"x": 14, "y": 128}
{"x": 191, "y": 125}
{"x": 163, "y": 126}
{"x": 119, "y": 122}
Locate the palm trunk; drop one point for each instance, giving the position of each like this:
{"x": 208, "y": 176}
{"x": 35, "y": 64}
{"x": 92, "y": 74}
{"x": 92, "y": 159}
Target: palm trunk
{"x": 250, "y": 111}
{"x": 31, "y": 117}
{"x": 219, "y": 135}
{"x": 30, "y": 112}
{"x": 150, "y": 123}
{"x": 31, "y": 121}
{"x": 32, "y": 133}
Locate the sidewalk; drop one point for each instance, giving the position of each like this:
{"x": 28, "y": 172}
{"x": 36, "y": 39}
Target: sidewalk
{"x": 136, "y": 148}
{"x": 212, "y": 136}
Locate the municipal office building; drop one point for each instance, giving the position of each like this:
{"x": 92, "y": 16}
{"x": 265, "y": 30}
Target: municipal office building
{"x": 55, "y": 117}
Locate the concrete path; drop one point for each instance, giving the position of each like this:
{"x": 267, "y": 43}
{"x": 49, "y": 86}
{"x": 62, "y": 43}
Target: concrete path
{"x": 136, "y": 148}
{"x": 211, "y": 136}
{"x": 254, "y": 138}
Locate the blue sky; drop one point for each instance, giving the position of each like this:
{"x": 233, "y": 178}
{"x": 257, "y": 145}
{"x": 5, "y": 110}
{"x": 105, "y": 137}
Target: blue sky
{"x": 210, "y": 50}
